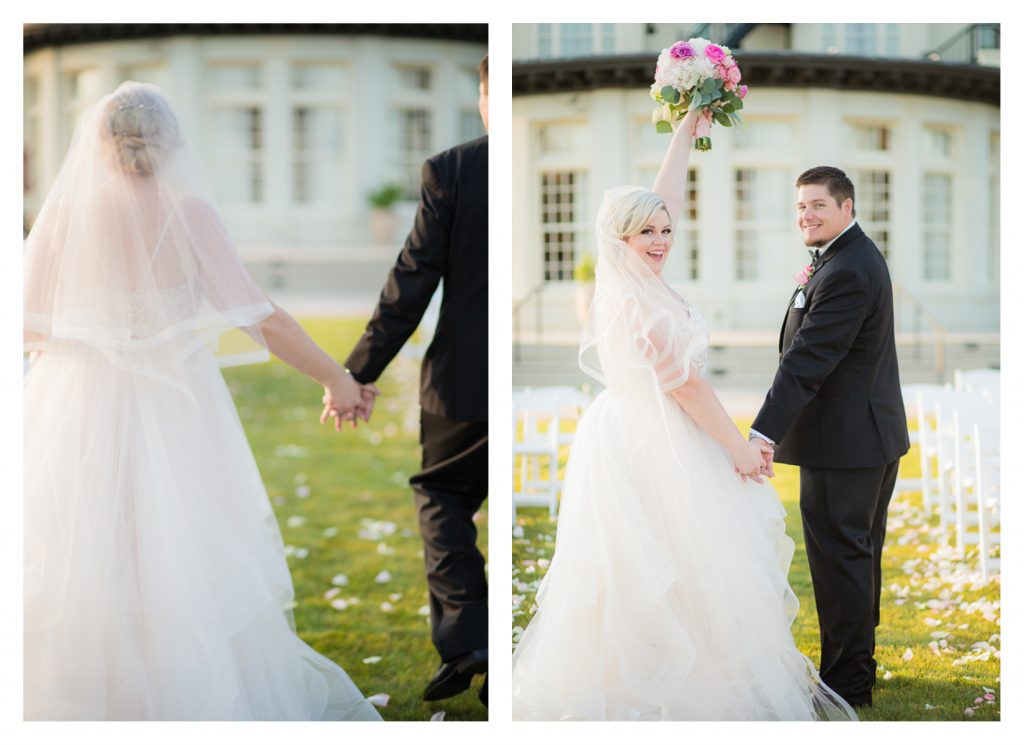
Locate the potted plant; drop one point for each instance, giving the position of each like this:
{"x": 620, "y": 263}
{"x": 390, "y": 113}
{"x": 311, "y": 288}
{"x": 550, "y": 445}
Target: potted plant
{"x": 584, "y": 274}
{"x": 382, "y": 216}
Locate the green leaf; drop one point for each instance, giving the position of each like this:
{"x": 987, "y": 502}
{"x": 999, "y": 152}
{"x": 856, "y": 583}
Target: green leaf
{"x": 728, "y": 108}
{"x": 664, "y": 128}
{"x": 738, "y": 104}
{"x": 670, "y": 94}
{"x": 722, "y": 119}
{"x": 709, "y": 85}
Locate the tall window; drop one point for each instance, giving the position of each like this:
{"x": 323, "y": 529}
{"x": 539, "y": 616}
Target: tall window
{"x": 318, "y": 131}
{"x": 414, "y": 118}
{"x": 236, "y": 134}
{"x": 563, "y": 200}
{"x": 868, "y": 39}
{"x": 415, "y": 138}
{"x": 872, "y": 138}
{"x": 873, "y": 201}
{"x": 763, "y": 210}
{"x": 938, "y": 206}
{"x": 575, "y": 39}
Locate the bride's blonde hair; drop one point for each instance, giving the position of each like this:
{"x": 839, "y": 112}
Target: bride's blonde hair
{"x": 632, "y": 211}
{"x": 143, "y": 128}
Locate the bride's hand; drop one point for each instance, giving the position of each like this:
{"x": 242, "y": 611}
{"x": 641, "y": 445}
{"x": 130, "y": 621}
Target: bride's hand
{"x": 748, "y": 459}
{"x": 688, "y": 124}
{"x": 342, "y": 397}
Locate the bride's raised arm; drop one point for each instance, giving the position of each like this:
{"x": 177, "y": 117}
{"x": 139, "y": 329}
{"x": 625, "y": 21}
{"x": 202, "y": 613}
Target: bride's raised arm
{"x": 670, "y": 184}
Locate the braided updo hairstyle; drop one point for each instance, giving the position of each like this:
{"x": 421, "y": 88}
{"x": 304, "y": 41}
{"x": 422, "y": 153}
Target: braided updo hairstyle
{"x": 143, "y": 129}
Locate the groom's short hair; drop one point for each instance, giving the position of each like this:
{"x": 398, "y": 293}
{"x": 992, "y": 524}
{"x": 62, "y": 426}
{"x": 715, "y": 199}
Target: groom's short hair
{"x": 837, "y": 183}
{"x": 482, "y": 69}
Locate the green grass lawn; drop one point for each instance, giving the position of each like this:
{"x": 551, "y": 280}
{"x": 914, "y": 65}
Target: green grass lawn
{"x": 939, "y": 640}
{"x": 349, "y": 523}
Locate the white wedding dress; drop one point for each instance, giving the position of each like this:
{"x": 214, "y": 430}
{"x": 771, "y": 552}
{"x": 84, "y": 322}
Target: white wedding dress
{"x": 667, "y": 596}
{"x": 156, "y": 585}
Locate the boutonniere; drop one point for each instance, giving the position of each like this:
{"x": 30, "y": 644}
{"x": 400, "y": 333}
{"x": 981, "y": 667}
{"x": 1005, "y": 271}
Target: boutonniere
{"x": 804, "y": 276}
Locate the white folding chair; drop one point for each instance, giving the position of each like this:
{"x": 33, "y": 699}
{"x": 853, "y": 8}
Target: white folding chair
{"x": 537, "y": 450}
{"x": 935, "y": 439}
{"x": 556, "y": 406}
{"x": 976, "y": 483}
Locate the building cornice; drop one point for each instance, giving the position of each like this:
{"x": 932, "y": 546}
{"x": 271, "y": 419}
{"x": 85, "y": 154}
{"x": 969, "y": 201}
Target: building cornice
{"x": 43, "y": 35}
{"x": 770, "y": 69}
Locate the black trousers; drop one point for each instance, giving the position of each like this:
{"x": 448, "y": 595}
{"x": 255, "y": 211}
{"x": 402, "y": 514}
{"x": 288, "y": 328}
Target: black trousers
{"x": 449, "y": 489}
{"x": 844, "y": 513}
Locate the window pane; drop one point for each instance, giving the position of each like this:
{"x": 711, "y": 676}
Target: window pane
{"x": 764, "y": 135}
{"x": 937, "y": 195}
{"x": 231, "y": 77}
{"x": 415, "y": 78}
{"x": 562, "y": 199}
{"x": 872, "y": 201}
{"x": 309, "y": 76}
{"x": 576, "y": 39}
{"x": 871, "y": 137}
{"x": 415, "y": 140}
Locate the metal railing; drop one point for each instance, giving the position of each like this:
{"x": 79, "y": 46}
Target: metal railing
{"x": 938, "y": 330}
{"x": 963, "y": 47}
{"x": 536, "y": 294}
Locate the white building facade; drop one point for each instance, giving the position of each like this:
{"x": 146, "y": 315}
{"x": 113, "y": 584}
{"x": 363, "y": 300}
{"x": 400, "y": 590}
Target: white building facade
{"x": 922, "y": 153}
{"x": 296, "y": 124}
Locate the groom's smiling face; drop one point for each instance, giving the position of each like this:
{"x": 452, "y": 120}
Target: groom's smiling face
{"x": 819, "y": 216}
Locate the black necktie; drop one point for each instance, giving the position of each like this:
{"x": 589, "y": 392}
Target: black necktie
{"x": 815, "y": 254}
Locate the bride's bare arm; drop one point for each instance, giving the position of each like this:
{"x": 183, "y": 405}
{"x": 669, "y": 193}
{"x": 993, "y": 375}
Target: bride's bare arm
{"x": 670, "y": 184}
{"x": 698, "y": 399}
{"x": 289, "y": 342}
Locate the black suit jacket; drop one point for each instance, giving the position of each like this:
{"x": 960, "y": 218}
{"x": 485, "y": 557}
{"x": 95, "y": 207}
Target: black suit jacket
{"x": 448, "y": 241}
{"x": 836, "y": 400}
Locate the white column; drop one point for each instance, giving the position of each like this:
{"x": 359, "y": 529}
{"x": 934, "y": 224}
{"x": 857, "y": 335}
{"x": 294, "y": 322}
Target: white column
{"x": 526, "y": 257}
{"x": 185, "y": 73}
{"x": 906, "y": 255}
{"x": 373, "y": 133}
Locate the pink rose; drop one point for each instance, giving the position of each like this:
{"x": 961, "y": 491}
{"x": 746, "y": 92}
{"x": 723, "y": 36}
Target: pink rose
{"x": 714, "y": 53}
{"x": 743, "y": 91}
{"x": 734, "y": 75}
{"x": 729, "y": 85}
{"x": 681, "y": 50}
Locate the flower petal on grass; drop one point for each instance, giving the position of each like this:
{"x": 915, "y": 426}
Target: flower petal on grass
{"x": 340, "y": 580}
{"x": 387, "y": 607}
{"x": 424, "y": 610}
{"x": 379, "y": 699}
{"x": 296, "y": 521}
{"x": 372, "y": 660}
{"x": 339, "y": 604}
{"x": 330, "y": 532}
{"x": 908, "y": 655}
{"x": 383, "y": 576}
{"x": 332, "y": 593}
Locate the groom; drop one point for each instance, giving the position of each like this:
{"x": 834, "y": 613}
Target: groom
{"x": 448, "y": 241}
{"x": 835, "y": 409}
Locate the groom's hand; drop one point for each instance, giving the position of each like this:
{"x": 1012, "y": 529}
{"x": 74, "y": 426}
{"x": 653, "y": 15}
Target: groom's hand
{"x": 768, "y": 454}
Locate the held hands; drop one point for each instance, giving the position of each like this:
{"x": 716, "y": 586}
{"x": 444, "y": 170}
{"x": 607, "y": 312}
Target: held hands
{"x": 346, "y": 400}
{"x": 754, "y": 459}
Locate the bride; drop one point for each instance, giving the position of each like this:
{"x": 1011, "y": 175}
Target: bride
{"x": 667, "y": 596}
{"x": 155, "y": 580}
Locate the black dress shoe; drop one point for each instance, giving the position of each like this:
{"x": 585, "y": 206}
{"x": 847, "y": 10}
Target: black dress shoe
{"x": 453, "y": 677}
{"x": 483, "y": 692}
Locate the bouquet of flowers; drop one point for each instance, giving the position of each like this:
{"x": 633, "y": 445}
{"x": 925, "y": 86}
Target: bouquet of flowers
{"x": 697, "y": 74}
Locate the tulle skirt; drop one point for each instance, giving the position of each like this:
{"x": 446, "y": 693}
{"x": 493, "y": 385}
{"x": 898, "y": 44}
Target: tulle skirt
{"x": 667, "y": 597}
{"x": 155, "y": 580}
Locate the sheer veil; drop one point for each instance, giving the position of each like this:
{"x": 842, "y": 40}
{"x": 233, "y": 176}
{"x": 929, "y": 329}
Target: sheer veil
{"x": 638, "y": 331}
{"x": 128, "y": 254}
